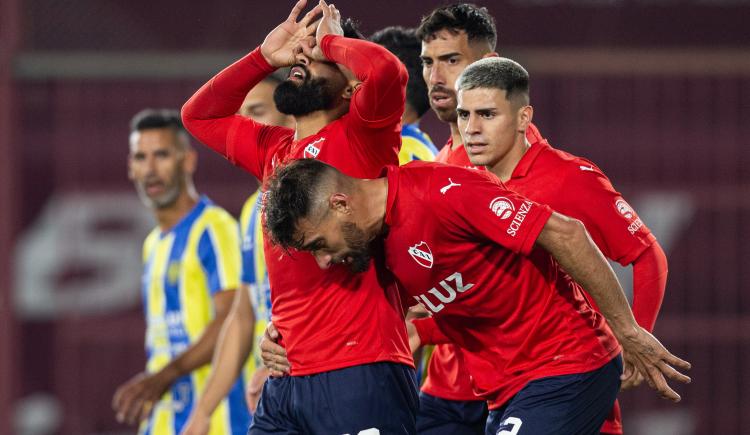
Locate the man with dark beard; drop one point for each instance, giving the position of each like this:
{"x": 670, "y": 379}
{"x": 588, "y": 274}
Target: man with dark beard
{"x": 502, "y": 276}
{"x": 344, "y": 334}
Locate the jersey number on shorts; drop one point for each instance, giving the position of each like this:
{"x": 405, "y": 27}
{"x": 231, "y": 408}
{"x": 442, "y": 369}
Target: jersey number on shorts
{"x": 510, "y": 426}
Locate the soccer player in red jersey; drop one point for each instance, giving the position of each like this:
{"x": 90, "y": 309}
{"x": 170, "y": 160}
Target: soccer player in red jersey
{"x": 493, "y": 107}
{"x": 452, "y": 38}
{"x": 488, "y": 263}
{"x": 344, "y": 334}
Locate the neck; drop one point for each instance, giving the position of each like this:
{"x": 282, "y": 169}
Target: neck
{"x": 311, "y": 123}
{"x": 168, "y": 217}
{"x": 375, "y": 196}
{"x": 456, "y": 136}
{"x": 504, "y": 168}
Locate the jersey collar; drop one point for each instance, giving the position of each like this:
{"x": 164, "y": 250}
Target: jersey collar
{"x": 524, "y": 165}
{"x": 188, "y": 219}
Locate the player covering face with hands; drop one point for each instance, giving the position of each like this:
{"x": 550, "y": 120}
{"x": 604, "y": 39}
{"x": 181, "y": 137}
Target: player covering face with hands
{"x": 353, "y": 340}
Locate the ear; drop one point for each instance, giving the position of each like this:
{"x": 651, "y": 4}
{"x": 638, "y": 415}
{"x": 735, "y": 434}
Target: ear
{"x": 525, "y": 115}
{"x": 351, "y": 86}
{"x": 352, "y": 83}
{"x": 340, "y": 203}
{"x": 490, "y": 54}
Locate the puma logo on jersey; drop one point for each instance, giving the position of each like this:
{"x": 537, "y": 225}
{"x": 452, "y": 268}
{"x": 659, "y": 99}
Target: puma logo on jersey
{"x": 444, "y": 189}
{"x": 587, "y": 168}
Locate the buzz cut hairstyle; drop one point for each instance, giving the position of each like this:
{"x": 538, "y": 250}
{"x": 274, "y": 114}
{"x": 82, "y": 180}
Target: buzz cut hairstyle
{"x": 148, "y": 119}
{"x": 497, "y": 73}
{"x": 474, "y": 20}
{"x": 293, "y": 193}
{"x": 405, "y": 44}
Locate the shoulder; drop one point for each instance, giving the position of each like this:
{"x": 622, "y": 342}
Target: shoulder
{"x": 571, "y": 168}
{"x": 215, "y": 217}
{"x": 150, "y": 240}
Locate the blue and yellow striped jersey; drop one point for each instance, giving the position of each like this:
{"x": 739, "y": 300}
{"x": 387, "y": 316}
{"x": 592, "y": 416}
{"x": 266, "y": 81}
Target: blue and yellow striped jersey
{"x": 254, "y": 274}
{"x": 184, "y": 268}
{"x": 415, "y": 145}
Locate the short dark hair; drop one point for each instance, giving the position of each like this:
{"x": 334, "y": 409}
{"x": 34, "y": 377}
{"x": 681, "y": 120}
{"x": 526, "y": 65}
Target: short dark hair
{"x": 497, "y": 73}
{"x": 474, "y": 20}
{"x": 405, "y": 44}
{"x": 160, "y": 118}
{"x": 351, "y": 28}
{"x": 290, "y": 195}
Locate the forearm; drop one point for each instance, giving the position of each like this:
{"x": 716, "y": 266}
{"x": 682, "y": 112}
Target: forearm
{"x": 383, "y": 76}
{"x": 232, "y": 349}
{"x": 649, "y": 282}
{"x": 196, "y": 355}
{"x": 209, "y": 112}
{"x": 571, "y": 246}
{"x": 428, "y": 331}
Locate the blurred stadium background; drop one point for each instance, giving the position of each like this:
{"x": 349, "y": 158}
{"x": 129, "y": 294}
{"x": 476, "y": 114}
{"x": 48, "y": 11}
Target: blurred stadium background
{"x": 657, "y": 92}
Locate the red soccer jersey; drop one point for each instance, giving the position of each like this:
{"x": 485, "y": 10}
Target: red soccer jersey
{"x": 328, "y": 319}
{"x": 461, "y": 243}
{"x": 447, "y": 376}
{"x": 577, "y": 188}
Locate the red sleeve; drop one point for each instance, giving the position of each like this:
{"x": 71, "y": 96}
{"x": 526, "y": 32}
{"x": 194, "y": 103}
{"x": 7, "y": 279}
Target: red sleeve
{"x": 210, "y": 114}
{"x": 379, "y": 101}
{"x": 649, "y": 281}
{"x": 428, "y": 331}
{"x": 588, "y": 195}
{"x": 483, "y": 208}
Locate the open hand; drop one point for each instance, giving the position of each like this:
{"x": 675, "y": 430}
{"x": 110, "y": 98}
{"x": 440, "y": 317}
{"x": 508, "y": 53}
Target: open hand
{"x": 330, "y": 24}
{"x": 134, "y": 400}
{"x": 288, "y": 38}
{"x": 645, "y": 354}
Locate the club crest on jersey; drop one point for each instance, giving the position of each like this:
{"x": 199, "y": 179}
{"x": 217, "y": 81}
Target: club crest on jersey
{"x": 502, "y": 207}
{"x": 421, "y": 254}
{"x": 624, "y": 208}
{"x": 311, "y": 151}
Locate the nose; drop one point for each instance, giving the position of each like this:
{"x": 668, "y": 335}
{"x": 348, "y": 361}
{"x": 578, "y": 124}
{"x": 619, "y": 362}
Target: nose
{"x": 323, "y": 260}
{"x": 472, "y": 125}
{"x": 436, "y": 75}
{"x": 302, "y": 58}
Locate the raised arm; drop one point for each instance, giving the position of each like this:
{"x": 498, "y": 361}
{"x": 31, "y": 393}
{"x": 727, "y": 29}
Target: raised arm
{"x": 210, "y": 113}
{"x": 379, "y": 100}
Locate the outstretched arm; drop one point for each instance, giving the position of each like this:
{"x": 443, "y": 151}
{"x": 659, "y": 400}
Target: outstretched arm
{"x": 569, "y": 243}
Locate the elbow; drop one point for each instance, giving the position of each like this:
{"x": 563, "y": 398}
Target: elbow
{"x": 572, "y": 231}
{"x": 188, "y": 116}
{"x": 390, "y": 66}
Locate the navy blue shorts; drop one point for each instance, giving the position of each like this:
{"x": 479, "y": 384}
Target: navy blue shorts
{"x": 442, "y": 417}
{"x": 369, "y": 399}
{"x": 571, "y": 404}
